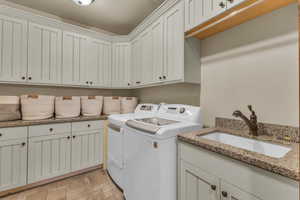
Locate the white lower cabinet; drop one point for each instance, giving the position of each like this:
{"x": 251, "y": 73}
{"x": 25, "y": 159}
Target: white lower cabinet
{"x": 48, "y": 156}
{"x": 196, "y": 184}
{"x": 13, "y": 163}
{"x": 86, "y": 149}
{"x": 204, "y": 175}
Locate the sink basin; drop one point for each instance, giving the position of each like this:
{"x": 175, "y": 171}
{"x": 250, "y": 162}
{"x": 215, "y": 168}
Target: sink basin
{"x": 268, "y": 149}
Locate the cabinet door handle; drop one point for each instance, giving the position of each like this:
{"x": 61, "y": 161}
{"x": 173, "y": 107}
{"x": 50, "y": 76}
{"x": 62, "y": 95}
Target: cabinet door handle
{"x": 0, "y": 134}
{"x": 29, "y": 78}
{"x": 50, "y": 129}
{"x": 91, "y": 82}
{"x": 138, "y": 82}
{"x": 230, "y": 1}
{"x": 23, "y": 144}
{"x": 23, "y": 77}
{"x": 128, "y": 84}
{"x": 68, "y": 137}
{"x": 224, "y": 194}
{"x": 222, "y": 4}
{"x": 89, "y": 125}
{"x": 160, "y": 78}
{"x": 164, "y": 77}
{"x": 74, "y": 136}
{"x": 213, "y": 187}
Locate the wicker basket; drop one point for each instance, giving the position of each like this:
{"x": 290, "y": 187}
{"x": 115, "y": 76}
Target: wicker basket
{"x": 9, "y": 108}
{"x": 91, "y": 105}
{"x": 37, "y": 107}
{"x": 67, "y": 107}
{"x": 128, "y": 104}
{"x": 112, "y": 105}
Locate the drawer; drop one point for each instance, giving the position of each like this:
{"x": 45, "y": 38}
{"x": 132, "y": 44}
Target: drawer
{"x": 13, "y": 133}
{"x": 87, "y": 126}
{"x": 49, "y": 129}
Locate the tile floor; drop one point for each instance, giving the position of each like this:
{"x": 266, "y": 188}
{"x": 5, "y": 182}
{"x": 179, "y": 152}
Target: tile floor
{"x": 95, "y": 185}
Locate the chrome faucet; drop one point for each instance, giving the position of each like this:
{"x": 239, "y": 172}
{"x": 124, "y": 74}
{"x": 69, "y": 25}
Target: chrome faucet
{"x": 251, "y": 123}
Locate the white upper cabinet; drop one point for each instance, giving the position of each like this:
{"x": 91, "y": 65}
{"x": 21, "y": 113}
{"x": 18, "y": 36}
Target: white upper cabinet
{"x": 136, "y": 69}
{"x": 13, "y": 49}
{"x": 174, "y": 43}
{"x": 146, "y": 56}
{"x": 44, "y": 54}
{"x": 99, "y": 63}
{"x": 199, "y": 11}
{"x": 74, "y": 59}
{"x": 157, "y": 50}
{"x": 121, "y": 66}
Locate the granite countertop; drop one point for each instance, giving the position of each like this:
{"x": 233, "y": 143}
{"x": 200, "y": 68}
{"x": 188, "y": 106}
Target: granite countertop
{"x": 287, "y": 166}
{"x": 18, "y": 123}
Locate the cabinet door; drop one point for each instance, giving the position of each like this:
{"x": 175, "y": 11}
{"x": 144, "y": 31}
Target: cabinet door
{"x": 121, "y": 65}
{"x": 13, "y": 49}
{"x": 196, "y": 184}
{"x": 157, "y": 53}
{"x": 48, "y": 156}
{"x": 189, "y": 6}
{"x": 74, "y": 59}
{"x": 100, "y": 63}
{"x": 13, "y": 163}
{"x": 174, "y": 43}
{"x": 44, "y": 54}
{"x": 230, "y": 192}
{"x": 136, "y": 70}
{"x": 147, "y": 56}
{"x": 86, "y": 150}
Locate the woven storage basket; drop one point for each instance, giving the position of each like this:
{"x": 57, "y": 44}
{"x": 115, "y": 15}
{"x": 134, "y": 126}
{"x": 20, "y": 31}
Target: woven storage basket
{"x": 36, "y": 107}
{"x": 91, "y": 105}
{"x": 128, "y": 104}
{"x": 67, "y": 107}
{"x": 112, "y": 105}
{"x": 9, "y": 108}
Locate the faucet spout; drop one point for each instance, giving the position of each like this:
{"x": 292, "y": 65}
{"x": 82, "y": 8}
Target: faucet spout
{"x": 251, "y": 123}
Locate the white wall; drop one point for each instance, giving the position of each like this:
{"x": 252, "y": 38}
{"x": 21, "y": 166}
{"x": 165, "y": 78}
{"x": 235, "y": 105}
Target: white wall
{"x": 255, "y": 63}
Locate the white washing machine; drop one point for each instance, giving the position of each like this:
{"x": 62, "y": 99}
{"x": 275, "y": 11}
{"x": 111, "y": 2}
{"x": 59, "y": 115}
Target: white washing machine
{"x": 115, "y": 162}
{"x": 150, "y": 171}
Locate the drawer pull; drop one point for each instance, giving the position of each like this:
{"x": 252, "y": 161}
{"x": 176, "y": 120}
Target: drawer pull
{"x": 213, "y": 187}
{"x": 51, "y": 129}
{"x": 23, "y": 144}
{"x": 224, "y": 194}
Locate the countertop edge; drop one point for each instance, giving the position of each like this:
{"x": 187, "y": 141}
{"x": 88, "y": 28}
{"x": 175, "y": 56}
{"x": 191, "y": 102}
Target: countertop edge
{"x": 280, "y": 170}
{"x": 22, "y": 123}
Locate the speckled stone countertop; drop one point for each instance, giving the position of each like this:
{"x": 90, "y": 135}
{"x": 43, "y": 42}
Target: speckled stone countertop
{"x": 287, "y": 166}
{"x": 19, "y": 123}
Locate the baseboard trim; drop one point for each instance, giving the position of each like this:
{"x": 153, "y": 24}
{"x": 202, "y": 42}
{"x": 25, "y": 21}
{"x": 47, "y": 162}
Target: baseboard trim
{"x": 47, "y": 181}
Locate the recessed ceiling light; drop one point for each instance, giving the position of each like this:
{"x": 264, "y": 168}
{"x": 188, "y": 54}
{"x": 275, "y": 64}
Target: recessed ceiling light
{"x": 83, "y": 2}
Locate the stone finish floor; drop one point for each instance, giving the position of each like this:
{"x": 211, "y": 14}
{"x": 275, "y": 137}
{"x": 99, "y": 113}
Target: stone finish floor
{"x": 95, "y": 185}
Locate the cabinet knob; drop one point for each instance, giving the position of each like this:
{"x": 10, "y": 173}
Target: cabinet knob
{"x": 23, "y": 144}
{"x": 222, "y": 4}
{"x": 91, "y": 82}
{"x": 89, "y": 125}
{"x": 29, "y": 78}
{"x": 23, "y": 77}
{"x": 230, "y": 1}
{"x": 74, "y": 136}
{"x": 50, "y": 129}
{"x": 128, "y": 84}
{"x": 213, "y": 187}
{"x": 138, "y": 82}
{"x": 68, "y": 137}
{"x": 160, "y": 78}
{"x": 87, "y": 82}
{"x": 224, "y": 194}
{"x": 0, "y": 134}
{"x": 164, "y": 77}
